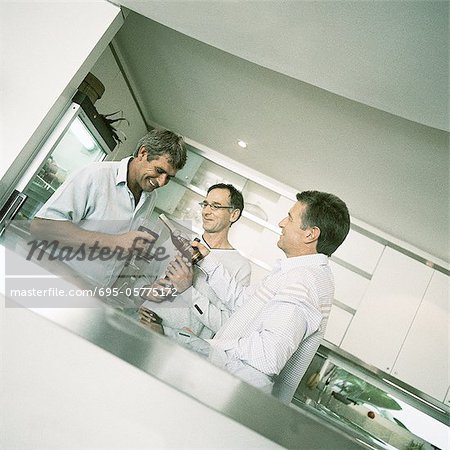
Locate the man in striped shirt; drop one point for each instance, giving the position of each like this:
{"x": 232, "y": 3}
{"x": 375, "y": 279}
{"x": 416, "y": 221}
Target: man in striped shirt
{"x": 271, "y": 339}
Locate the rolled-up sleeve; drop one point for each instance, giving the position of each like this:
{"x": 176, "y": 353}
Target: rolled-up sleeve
{"x": 226, "y": 287}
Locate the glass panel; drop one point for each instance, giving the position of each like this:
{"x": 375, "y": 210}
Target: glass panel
{"x": 76, "y": 149}
{"x": 188, "y": 209}
{"x": 265, "y": 204}
{"x": 357, "y": 403}
{"x": 190, "y": 169}
{"x": 210, "y": 173}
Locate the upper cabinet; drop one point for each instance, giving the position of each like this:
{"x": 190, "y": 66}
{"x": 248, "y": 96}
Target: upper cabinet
{"x": 385, "y": 314}
{"x": 424, "y": 357}
{"x": 360, "y": 251}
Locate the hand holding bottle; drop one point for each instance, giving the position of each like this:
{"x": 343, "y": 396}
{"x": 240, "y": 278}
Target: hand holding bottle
{"x": 161, "y": 290}
{"x": 182, "y": 244}
{"x": 179, "y": 272}
{"x": 202, "y": 249}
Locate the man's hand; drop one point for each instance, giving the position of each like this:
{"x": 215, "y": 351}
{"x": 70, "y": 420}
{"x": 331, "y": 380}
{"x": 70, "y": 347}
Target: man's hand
{"x": 159, "y": 291}
{"x": 179, "y": 272}
{"x": 134, "y": 241}
{"x": 201, "y": 248}
{"x": 67, "y": 233}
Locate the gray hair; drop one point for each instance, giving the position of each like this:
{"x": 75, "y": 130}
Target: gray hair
{"x": 160, "y": 142}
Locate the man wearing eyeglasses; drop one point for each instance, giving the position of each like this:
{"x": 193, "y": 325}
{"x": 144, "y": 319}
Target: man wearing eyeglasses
{"x": 271, "y": 339}
{"x": 205, "y": 314}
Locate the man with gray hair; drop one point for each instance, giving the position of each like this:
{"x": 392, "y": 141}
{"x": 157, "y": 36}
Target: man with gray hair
{"x": 101, "y": 206}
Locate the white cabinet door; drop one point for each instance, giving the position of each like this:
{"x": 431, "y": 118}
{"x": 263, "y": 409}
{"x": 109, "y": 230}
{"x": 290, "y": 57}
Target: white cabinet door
{"x": 350, "y": 287}
{"x": 337, "y": 325}
{"x": 360, "y": 251}
{"x": 423, "y": 359}
{"x": 386, "y": 312}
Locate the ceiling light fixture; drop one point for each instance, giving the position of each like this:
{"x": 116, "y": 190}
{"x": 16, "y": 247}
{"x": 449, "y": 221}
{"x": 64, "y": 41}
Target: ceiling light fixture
{"x": 242, "y": 144}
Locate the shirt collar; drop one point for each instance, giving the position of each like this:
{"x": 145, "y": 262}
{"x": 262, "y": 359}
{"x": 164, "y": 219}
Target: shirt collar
{"x": 286, "y": 264}
{"x": 122, "y": 171}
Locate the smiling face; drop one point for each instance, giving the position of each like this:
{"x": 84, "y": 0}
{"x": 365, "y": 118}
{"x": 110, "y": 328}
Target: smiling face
{"x": 294, "y": 240}
{"x": 218, "y": 220}
{"x": 150, "y": 175}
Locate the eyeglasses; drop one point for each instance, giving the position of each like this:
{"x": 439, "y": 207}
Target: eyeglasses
{"x": 213, "y": 206}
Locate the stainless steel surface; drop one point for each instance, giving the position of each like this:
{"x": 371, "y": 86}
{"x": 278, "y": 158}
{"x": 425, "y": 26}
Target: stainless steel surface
{"x": 124, "y": 337}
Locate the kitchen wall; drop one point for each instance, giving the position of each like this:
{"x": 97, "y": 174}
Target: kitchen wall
{"x": 392, "y": 172}
{"x": 118, "y": 98}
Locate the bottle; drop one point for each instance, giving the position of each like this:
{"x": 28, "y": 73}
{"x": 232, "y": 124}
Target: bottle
{"x": 182, "y": 244}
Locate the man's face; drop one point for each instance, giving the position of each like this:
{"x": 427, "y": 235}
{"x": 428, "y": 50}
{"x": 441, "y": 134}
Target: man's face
{"x": 215, "y": 220}
{"x": 292, "y": 239}
{"x": 153, "y": 174}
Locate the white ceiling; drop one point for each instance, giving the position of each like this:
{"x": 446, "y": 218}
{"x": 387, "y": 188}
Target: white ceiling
{"x": 391, "y": 55}
{"x": 310, "y": 133}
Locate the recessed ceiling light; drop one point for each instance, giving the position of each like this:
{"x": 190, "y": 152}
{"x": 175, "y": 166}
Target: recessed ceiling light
{"x": 242, "y": 144}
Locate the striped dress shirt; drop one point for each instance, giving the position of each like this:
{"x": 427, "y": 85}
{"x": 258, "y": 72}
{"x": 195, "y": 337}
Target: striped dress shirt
{"x": 272, "y": 337}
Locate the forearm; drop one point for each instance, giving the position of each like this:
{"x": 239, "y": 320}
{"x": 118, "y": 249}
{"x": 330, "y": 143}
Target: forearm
{"x": 275, "y": 348}
{"x": 67, "y": 233}
{"x": 281, "y": 327}
{"x": 212, "y": 314}
{"x": 227, "y": 289}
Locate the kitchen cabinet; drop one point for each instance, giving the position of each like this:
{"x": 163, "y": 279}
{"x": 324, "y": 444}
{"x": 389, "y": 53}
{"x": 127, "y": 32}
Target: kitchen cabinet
{"x": 338, "y": 323}
{"x": 387, "y": 310}
{"x": 360, "y": 251}
{"x": 75, "y": 148}
{"x": 424, "y": 357}
{"x": 350, "y": 286}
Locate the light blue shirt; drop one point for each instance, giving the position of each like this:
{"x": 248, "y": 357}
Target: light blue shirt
{"x": 97, "y": 198}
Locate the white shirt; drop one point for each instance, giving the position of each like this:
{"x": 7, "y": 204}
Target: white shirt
{"x": 97, "y": 198}
{"x": 279, "y": 323}
{"x": 199, "y": 308}
{"x": 208, "y": 312}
